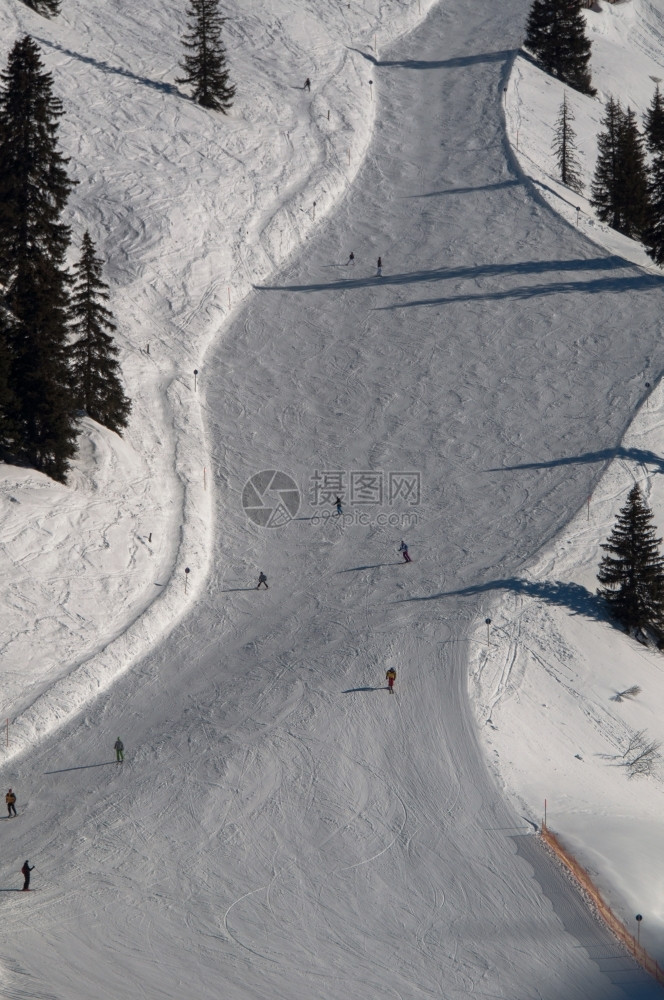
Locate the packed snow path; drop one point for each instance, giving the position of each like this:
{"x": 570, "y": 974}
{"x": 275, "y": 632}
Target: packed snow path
{"x": 282, "y": 827}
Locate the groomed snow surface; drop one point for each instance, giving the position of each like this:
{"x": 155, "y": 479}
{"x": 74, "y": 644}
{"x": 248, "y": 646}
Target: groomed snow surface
{"x": 282, "y": 827}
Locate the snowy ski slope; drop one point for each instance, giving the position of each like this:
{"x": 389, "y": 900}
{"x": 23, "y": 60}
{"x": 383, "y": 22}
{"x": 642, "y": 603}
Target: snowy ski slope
{"x": 282, "y": 827}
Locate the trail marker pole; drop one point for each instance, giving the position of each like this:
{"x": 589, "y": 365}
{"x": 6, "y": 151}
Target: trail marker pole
{"x": 638, "y": 918}
{"x": 505, "y": 96}
{"x": 150, "y": 537}
{"x": 204, "y": 478}
{"x": 588, "y": 508}
{"x": 195, "y": 378}
{"x": 545, "y": 814}
{"x": 578, "y": 213}
{"x": 147, "y": 349}
{"x": 487, "y": 622}
{"x": 328, "y": 114}
{"x": 314, "y": 213}
{"x": 371, "y": 88}
{"x": 7, "y": 732}
{"x": 648, "y": 396}
{"x": 186, "y": 577}
{"x": 349, "y": 157}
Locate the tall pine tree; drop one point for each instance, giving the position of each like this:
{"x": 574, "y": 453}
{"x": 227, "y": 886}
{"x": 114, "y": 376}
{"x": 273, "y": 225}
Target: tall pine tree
{"x": 606, "y": 195}
{"x": 653, "y": 235}
{"x": 556, "y": 35}
{"x": 205, "y": 66}
{"x": 632, "y": 573}
{"x": 634, "y": 179}
{"x": 97, "y": 386}
{"x": 564, "y": 148}
{"x": 34, "y": 188}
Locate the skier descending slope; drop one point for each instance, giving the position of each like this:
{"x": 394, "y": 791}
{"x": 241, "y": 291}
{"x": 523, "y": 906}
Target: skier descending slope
{"x": 390, "y": 677}
{"x": 403, "y": 548}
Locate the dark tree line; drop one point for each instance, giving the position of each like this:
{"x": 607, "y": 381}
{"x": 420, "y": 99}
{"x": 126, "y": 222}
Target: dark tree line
{"x": 49, "y": 8}
{"x": 556, "y": 35}
{"x": 631, "y": 574}
{"x": 42, "y": 326}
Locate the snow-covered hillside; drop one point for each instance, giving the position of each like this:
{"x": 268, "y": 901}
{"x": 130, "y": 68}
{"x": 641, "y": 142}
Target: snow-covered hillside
{"x": 282, "y": 827}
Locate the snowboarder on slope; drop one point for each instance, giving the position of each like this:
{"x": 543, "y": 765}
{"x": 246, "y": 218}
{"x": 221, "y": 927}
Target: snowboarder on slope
{"x": 118, "y": 746}
{"x": 351, "y": 259}
{"x": 25, "y": 872}
{"x": 404, "y": 549}
{"x": 10, "y": 799}
{"x": 379, "y": 268}
{"x": 338, "y": 503}
{"x": 307, "y": 84}
{"x": 262, "y": 579}
{"x": 390, "y": 677}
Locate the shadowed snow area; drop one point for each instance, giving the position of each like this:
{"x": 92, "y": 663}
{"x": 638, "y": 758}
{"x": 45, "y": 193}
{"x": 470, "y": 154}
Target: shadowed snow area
{"x": 282, "y": 827}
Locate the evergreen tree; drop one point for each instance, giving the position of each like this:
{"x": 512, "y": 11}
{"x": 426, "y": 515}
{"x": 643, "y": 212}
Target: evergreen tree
{"x": 564, "y": 148}
{"x": 49, "y": 8}
{"x": 633, "y": 186}
{"x": 632, "y": 574}
{"x": 34, "y": 188}
{"x": 205, "y": 67}
{"x": 97, "y": 386}
{"x": 606, "y": 180}
{"x": 653, "y": 235}
{"x": 556, "y": 35}
{"x": 653, "y": 122}
{"x": 7, "y": 398}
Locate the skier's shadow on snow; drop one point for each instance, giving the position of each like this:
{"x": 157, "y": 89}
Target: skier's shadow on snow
{"x": 356, "y": 569}
{"x": 355, "y": 690}
{"x": 81, "y": 767}
{"x": 235, "y": 590}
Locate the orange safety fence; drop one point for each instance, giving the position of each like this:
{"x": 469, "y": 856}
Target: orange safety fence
{"x": 604, "y": 910}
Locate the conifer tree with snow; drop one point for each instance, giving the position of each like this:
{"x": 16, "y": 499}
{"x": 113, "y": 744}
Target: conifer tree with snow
{"x": 205, "y": 65}
{"x": 632, "y": 572}
{"x": 34, "y": 188}
{"x": 634, "y": 179}
{"x": 606, "y": 195}
{"x": 95, "y": 370}
{"x": 49, "y": 8}
{"x": 653, "y": 235}
{"x": 564, "y": 148}
{"x": 556, "y": 35}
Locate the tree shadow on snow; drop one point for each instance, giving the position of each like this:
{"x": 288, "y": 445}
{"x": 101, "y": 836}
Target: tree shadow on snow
{"x": 166, "y": 88}
{"x": 573, "y": 596}
{"x": 606, "y": 282}
{"x": 502, "y": 55}
{"x": 605, "y": 455}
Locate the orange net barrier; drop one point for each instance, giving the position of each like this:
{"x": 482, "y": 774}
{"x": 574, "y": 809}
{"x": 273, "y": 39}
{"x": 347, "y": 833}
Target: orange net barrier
{"x": 604, "y": 910}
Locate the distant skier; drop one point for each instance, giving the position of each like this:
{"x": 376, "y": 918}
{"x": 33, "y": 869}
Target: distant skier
{"x": 390, "y": 677}
{"x": 339, "y": 507}
{"x": 379, "y": 267}
{"x": 10, "y": 799}
{"x": 25, "y": 872}
{"x": 307, "y": 84}
{"x": 262, "y": 579}
{"x": 351, "y": 259}
{"x": 403, "y": 548}
{"x": 118, "y": 746}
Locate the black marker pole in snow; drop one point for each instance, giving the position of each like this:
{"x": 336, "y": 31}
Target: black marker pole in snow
{"x": 195, "y": 378}
{"x": 487, "y": 622}
{"x": 186, "y": 577}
